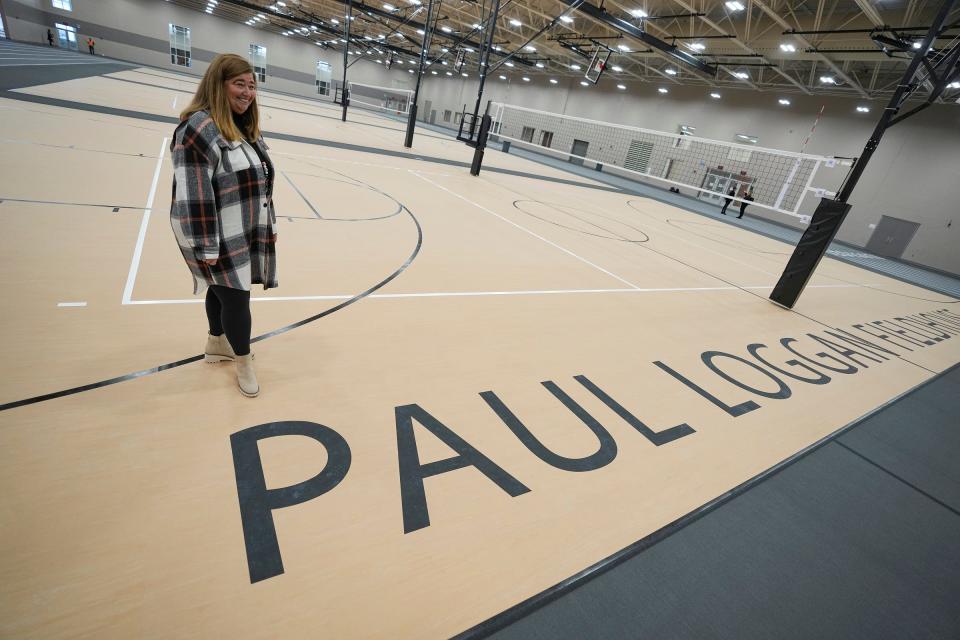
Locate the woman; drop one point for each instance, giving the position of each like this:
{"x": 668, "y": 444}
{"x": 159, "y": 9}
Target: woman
{"x": 222, "y": 213}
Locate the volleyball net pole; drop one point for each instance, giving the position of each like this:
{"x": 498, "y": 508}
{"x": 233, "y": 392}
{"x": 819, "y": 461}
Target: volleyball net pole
{"x": 941, "y": 67}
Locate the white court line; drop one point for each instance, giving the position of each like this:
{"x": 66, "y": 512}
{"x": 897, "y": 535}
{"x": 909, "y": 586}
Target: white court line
{"x": 174, "y": 105}
{"x": 365, "y": 164}
{"x": 41, "y": 64}
{"x": 522, "y": 228}
{"x": 71, "y": 304}
{"x": 138, "y": 250}
{"x": 480, "y": 294}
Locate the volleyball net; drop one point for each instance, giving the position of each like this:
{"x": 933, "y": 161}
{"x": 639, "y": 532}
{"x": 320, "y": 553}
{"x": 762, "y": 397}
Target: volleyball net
{"x": 383, "y": 99}
{"x": 774, "y": 179}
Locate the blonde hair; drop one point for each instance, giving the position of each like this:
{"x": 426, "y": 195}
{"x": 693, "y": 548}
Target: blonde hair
{"x": 211, "y": 96}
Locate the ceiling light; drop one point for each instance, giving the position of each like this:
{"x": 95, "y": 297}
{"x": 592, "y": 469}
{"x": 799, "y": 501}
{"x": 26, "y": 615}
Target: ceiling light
{"x": 334, "y": 21}
{"x": 503, "y": 77}
{"x": 445, "y": 50}
{"x": 409, "y": 70}
{"x": 789, "y": 48}
{"x": 671, "y": 72}
{"x": 526, "y": 79}
{"x": 468, "y": 49}
{"x": 638, "y": 13}
{"x": 863, "y": 109}
{"x": 566, "y": 19}
{"x": 446, "y": 29}
{"x": 389, "y": 7}
{"x": 623, "y": 48}
{"x": 784, "y": 102}
{"x": 509, "y": 64}
{"x": 953, "y": 85}
{"x": 733, "y": 5}
{"x": 621, "y": 87}
{"x": 476, "y": 25}
{"x": 584, "y": 83}
{"x": 209, "y": 10}
{"x": 415, "y": 2}
{"x": 917, "y": 45}
{"x": 616, "y": 68}
{"x": 575, "y": 67}
{"x": 828, "y": 80}
{"x": 553, "y": 81}
{"x": 449, "y": 73}
{"x": 434, "y": 72}
{"x": 715, "y": 96}
{"x": 464, "y": 75}
{"x": 443, "y": 62}
{"x": 698, "y": 46}
{"x": 662, "y": 90}
{"x": 540, "y": 65}
{"x": 743, "y": 75}
{"x": 530, "y": 47}
{"x": 515, "y": 23}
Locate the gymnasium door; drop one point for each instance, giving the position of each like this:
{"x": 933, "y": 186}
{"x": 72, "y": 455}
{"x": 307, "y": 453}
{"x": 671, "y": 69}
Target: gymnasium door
{"x": 67, "y": 36}
{"x": 891, "y": 236}
{"x": 579, "y": 149}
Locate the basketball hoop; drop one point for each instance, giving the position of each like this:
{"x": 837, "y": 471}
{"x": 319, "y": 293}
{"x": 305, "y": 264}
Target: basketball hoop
{"x": 598, "y": 64}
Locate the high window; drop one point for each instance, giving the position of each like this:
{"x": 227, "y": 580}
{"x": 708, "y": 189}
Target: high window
{"x": 323, "y": 78}
{"x": 66, "y": 5}
{"x": 179, "y": 45}
{"x": 258, "y": 60}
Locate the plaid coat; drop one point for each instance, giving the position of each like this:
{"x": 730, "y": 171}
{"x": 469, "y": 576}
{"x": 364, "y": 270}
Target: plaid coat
{"x": 223, "y": 207}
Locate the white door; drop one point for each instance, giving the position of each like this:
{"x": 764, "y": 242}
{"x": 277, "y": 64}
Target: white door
{"x": 67, "y": 36}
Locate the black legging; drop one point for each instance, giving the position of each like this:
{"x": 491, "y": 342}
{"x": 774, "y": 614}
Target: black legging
{"x": 228, "y": 311}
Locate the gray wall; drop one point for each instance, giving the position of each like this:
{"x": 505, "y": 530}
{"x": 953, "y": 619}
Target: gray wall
{"x": 915, "y": 174}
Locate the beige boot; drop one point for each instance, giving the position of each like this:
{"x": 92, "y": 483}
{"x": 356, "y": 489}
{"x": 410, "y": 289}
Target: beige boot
{"x": 218, "y": 349}
{"x": 247, "y": 377}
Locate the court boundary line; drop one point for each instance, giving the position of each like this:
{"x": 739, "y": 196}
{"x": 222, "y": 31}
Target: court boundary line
{"x": 142, "y": 234}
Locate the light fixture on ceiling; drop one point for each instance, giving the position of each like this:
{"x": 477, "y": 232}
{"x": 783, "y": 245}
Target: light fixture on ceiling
{"x": 566, "y": 19}
{"x": 617, "y": 68}
{"x": 389, "y": 7}
{"x": 784, "y": 102}
{"x": 622, "y": 87}
{"x": 584, "y": 83}
{"x": 530, "y": 47}
{"x": 863, "y": 109}
{"x": 953, "y": 85}
{"x": 540, "y": 65}
{"x": 715, "y": 96}
{"x": 670, "y": 72}
{"x": 575, "y": 67}
{"x": 743, "y": 75}
{"x": 828, "y": 80}
{"x": 733, "y": 5}
{"x": 503, "y": 77}
{"x": 623, "y": 48}
{"x": 553, "y": 81}
{"x": 697, "y": 46}
{"x": 638, "y": 13}
{"x": 663, "y": 90}
{"x": 509, "y": 64}
{"x": 446, "y": 29}
{"x": 526, "y": 79}
{"x": 515, "y": 23}
{"x": 788, "y": 48}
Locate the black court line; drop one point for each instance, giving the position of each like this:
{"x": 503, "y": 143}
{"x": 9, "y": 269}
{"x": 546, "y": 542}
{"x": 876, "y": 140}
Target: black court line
{"x": 901, "y": 479}
{"x": 126, "y": 113}
{"x": 558, "y": 207}
{"x": 270, "y": 334}
{"x": 300, "y": 193}
{"x": 71, "y": 204}
{"x": 521, "y": 610}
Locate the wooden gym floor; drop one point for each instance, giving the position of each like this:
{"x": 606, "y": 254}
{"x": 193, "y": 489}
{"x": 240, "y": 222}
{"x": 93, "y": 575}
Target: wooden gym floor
{"x": 454, "y": 335}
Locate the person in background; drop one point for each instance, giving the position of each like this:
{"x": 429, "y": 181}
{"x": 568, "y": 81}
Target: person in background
{"x": 747, "y": 198}
{"x": 222, "y": 212}
{"x": 50, "y": 37}
{"x": 728, "y": 200}
{"x": 90, "y": 45}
